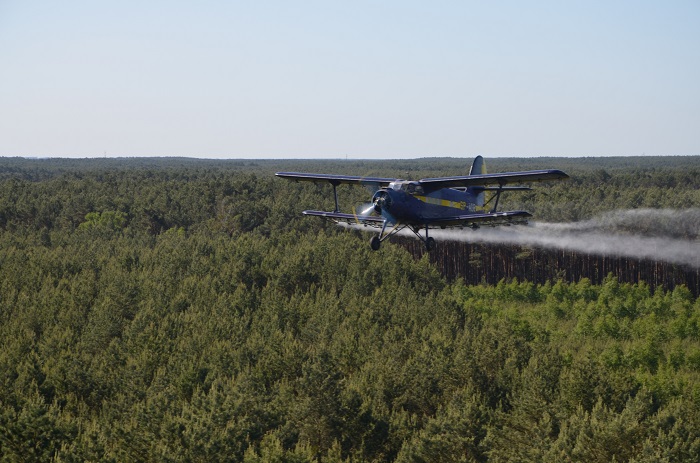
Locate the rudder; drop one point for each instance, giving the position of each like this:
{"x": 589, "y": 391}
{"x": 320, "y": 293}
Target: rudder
{"x": 479, "y": 168}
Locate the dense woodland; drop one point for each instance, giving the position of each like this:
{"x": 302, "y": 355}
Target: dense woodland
{"x": 184, "y": 310}
{"x": 491, "y": 263}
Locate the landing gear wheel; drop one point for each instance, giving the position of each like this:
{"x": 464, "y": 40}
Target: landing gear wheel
{"x": 429, "y": 244}
{"x": 374, "y": 243}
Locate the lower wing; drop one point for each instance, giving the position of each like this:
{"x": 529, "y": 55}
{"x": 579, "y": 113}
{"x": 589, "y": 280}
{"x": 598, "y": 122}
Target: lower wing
{"x": 348, "y": 218}
{"x": 481, "y": 218}
{"x": 464, "y": 220}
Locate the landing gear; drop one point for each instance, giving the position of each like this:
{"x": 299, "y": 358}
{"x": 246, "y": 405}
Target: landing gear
{"x": 428, "y": 241}
{"x": 376, "y": 241}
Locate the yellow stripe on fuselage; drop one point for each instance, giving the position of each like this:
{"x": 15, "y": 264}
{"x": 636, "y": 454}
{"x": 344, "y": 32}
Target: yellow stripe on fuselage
{"x": 442, "y": 202}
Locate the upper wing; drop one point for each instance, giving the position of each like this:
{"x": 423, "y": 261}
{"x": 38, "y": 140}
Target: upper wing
{"x": 501, "y": 179}
{"x": 335, "y": 179}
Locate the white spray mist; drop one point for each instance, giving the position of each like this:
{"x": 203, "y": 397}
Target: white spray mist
{"x": 648, "y": 234}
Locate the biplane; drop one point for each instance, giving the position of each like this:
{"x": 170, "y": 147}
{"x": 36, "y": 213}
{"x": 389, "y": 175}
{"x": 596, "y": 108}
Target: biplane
{"x": 443, "y": 202}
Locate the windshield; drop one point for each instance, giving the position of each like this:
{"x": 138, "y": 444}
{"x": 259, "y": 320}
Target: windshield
{"x": 411, "y": 188}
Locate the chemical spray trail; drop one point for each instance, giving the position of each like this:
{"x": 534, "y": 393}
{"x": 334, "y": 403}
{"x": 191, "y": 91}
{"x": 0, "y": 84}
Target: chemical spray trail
{"x": 646, "y": 234}
{"x": 662, "y": 235}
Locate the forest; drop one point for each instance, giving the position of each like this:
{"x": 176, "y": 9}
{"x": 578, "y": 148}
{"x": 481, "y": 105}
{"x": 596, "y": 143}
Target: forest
{"x": 183, "y": 310}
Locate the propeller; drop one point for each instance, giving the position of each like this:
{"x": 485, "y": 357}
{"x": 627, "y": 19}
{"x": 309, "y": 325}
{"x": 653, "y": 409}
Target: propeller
{"x": 381, "y": 201}
{"x": 366, "y": 209}
{"x": 363, "y": 211}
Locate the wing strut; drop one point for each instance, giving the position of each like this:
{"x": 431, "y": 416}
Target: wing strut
{"x": 497, "y": 197}
{"x": 335, "y": 196}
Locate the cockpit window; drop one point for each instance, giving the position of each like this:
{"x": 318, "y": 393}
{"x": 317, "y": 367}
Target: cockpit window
{"x": 414, "y": 189}
{"x": 411, "y": 188}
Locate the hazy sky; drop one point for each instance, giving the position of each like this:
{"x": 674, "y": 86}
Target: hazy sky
{"x": 363, "y": 79}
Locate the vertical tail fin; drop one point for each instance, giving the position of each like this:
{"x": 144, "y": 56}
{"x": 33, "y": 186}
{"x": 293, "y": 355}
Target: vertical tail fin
{"x": 478, "y": 168}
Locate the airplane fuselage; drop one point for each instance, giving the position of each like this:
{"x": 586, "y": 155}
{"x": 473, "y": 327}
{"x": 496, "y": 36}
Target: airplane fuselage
{"x": 408, "y": 202}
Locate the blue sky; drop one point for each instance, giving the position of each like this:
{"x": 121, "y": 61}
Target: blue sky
{"x": 362, "y": 79}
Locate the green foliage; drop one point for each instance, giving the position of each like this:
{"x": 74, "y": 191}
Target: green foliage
{"x": 108, "y": 220}
{"x": 166, "y": 312}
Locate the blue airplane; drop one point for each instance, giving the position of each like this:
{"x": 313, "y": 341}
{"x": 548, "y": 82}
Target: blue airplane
{"x": 443, "y": 202}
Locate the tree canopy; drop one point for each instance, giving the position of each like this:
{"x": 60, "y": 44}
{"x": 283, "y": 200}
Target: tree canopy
{"x": 183, "y": 310}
